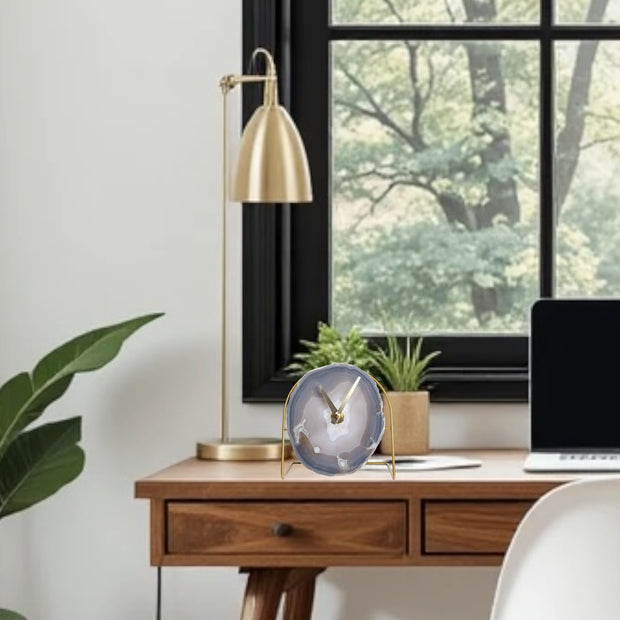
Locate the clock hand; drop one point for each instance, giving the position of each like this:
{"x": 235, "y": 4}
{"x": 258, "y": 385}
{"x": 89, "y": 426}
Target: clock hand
{"x": 336, "y": 417}
{"x": 346, "y": 399}
{"x": 328, "y": 400}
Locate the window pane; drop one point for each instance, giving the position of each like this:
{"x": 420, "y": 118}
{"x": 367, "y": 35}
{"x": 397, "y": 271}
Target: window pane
{"x": 434, "y": 185}
{"x": 434, "y": 11}
{"x": 587, "y": 165}
{"x": 588, "y": 11}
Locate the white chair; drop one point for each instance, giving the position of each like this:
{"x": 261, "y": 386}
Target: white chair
{"x": 564, "y": 560}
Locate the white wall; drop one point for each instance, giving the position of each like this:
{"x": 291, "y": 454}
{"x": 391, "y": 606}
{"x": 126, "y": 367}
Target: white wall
{"x": 109, "y": 207}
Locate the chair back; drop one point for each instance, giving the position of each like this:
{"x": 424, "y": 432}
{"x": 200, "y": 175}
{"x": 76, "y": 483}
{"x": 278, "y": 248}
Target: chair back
{"x": 564, "y": 559}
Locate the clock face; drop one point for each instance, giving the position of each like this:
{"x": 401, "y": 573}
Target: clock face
{"x": 334, "y": 419}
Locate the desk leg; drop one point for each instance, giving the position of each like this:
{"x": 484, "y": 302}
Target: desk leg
{"x": 265, "y": 587}
{"x": 300, "y": 593}
{"x": 263, "y": 592}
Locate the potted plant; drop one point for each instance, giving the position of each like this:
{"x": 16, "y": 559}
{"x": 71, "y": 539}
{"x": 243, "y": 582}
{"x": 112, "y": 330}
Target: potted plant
{"x": 332, "y": 347}
{"x": 403, "y": 373}
{"x": 37, "y": 462}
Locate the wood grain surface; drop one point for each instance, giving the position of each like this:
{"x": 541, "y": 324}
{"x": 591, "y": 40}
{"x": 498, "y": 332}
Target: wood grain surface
{"x": 314, "y": 527}
{"x": 484, "y": 526}
{"x": 208, "y": 513}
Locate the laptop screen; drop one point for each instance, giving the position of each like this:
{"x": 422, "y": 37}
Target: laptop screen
{"x": 575, "y": 374}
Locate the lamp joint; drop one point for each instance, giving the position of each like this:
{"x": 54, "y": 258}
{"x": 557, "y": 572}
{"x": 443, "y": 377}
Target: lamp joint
{"x": 227, "y": 83}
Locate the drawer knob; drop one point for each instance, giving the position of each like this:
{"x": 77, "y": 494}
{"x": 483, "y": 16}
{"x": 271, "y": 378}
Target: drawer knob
{"x": 281, "y": 529}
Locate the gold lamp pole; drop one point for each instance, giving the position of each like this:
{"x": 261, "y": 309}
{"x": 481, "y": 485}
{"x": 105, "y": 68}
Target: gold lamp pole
{"x": 272, "y": 168}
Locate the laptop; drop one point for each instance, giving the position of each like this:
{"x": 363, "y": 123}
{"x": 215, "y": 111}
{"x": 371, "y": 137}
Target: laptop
{"x": 575, "y": 385}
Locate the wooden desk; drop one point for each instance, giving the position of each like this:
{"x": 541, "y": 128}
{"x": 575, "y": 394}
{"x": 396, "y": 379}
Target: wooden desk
{"x": 285, "y": 532}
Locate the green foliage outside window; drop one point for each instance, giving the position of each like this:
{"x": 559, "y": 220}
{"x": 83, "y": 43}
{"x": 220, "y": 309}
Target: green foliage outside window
{"x": 435, "y": 204}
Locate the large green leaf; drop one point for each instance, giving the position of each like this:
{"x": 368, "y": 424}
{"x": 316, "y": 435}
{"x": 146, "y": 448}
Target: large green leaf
{"x": 6, "y": 614}
{"x": 38, "y": 463}
{"x": 24, "y": 397}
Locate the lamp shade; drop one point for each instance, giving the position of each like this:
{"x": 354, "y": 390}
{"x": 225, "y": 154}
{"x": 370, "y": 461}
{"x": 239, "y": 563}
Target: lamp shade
{"x": 272, "y": 164}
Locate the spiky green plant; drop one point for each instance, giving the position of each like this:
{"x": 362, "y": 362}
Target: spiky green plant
{"x": 403, "y": 370}
{"x": 332, "y": 347}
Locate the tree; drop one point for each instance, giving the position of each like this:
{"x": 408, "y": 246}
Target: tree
{"x": 406, "y": 129}
{"x": 568, "y": 142}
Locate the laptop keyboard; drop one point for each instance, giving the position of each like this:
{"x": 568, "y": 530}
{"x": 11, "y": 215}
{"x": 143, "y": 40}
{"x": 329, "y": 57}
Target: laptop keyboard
{"x": 581, "y": 456}
{"x": 573, "y": 461}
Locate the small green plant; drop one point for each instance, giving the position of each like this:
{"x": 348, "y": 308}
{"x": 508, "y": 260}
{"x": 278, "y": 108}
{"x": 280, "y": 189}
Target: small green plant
{"x": 37, "y": 462}
{"x": 332, "y": 347}
{"x": 403, "y": 370}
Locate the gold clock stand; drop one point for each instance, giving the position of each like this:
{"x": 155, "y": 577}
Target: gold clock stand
{"x": 391, "y": 468}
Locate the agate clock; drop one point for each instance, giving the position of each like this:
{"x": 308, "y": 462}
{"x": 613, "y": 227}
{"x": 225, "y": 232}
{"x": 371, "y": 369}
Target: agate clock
{"x": 334, "y": 419}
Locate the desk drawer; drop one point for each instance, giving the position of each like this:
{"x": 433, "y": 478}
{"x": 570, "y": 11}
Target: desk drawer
{"x": 470, "y": 527}
{"x": 311, "y": 528}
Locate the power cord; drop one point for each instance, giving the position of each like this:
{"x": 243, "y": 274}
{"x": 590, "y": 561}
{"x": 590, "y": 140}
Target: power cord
{"x": 158, "y": 605}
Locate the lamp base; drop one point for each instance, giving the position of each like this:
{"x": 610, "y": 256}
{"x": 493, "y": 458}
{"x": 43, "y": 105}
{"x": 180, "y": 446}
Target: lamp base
{"x": 245, "y": 449}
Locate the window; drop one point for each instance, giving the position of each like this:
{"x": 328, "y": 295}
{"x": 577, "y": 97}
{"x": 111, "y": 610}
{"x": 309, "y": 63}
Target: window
{"x": 463, "y": 155}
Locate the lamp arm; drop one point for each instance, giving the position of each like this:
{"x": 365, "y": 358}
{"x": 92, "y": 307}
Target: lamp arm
{"x": 270, "y": 79}
{"x": 271, "y": 65}
{"x": 228, "y": 82}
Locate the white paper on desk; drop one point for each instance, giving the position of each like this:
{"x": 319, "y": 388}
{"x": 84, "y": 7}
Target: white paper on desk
{"x": 425, "y": 463}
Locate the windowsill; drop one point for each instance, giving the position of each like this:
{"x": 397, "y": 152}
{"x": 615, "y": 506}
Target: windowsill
{"x": 449, "y": 385}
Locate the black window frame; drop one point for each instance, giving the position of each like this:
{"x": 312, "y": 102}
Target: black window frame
{"x": 286, "y": 247}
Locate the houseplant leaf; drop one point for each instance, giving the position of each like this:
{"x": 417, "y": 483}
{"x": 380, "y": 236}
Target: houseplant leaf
{"x": 6, "y": 614}
{"x": 38, "y": 463}
{"x": 24, "y": 397}
{"x": 332, "y": 347}
{"x": 403, "y": 370}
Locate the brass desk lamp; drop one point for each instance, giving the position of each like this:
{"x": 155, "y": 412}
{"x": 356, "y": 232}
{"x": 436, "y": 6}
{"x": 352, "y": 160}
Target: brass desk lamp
{"x": 272, "y": 168}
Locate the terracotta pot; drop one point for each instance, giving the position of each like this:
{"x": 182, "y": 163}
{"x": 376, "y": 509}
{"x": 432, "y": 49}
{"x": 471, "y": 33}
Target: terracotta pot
{"x": 410, "y": 420}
